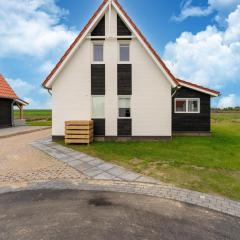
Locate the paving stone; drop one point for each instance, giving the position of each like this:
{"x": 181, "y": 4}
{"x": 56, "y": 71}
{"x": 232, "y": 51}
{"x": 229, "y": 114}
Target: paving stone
{"x": 104, "y": 176}
{"x": 87, "y": 158}
{"x": 92, "y": 172}
{"x": 105, "y": 166}
{"x": 116, "y": 171}
{"x": 129, "y": 176}
{"x": 96, "y": 162}
{"x": 83, "y": 166}
{"x": 74, "y": 163}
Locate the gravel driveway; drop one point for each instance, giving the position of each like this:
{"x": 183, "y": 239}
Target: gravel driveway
{"x": 19, "y": 161}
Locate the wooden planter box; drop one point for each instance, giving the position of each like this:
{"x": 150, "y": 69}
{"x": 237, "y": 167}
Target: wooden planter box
{"x": 79, "y": 132}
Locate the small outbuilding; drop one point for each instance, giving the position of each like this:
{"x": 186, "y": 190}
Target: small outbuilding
{"x": 9, "y": 99}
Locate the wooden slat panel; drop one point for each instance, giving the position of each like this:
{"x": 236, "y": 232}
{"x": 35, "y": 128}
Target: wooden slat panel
{"x": 79, "y": 127}
{"x": 72, "y": 132}
{"x": 78, "y": 132}
{"x": 78, "y": 136}
{"x": 81, "y": 123}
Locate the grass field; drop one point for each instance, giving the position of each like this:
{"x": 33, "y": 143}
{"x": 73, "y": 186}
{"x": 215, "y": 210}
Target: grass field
{"x": 36, "y": 117}
{"x": 206, "y": 164}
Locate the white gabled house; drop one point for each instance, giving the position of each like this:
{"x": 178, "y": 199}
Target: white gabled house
{"x": 112, "y": 75}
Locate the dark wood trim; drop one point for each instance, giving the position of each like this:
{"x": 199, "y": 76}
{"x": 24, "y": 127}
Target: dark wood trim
{"x": 99, "y": 30}
{"x": 57, "y": 138}
{"x": 124, "y": 127}
{"x": 133, "y": 138}
{"x": 99, "y": 127}
{"x": 98, "y": 79}
{"x": 124, "y": 76}
{"x": 192, "y": 122}
{"x": 122, "y": 29}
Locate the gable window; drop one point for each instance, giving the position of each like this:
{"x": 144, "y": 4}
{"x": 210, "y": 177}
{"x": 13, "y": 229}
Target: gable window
{"x": 187, "y": 105}
{"x": 124, "y": 52}
{"x": 98, "y": 52}
{"x": 98, "y": 107}
{"x": 124, "y": 105}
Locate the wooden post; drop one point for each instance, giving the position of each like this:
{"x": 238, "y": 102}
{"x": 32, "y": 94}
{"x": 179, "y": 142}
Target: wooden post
{"x": 21, "y": 111}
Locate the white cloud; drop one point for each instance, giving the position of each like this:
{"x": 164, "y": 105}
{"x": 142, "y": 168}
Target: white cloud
{"x": 22, "y": 88}
{"x": 221, "y": 7}
{"x": 46, "y": 67}
{"x": 228, "y": 101}
{"x": 32, "y": 27}
{"x": 210, "y": 57}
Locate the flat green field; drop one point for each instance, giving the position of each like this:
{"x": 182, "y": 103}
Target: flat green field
{"x": 36, "y": 117}
{"x": 206, "y": 164}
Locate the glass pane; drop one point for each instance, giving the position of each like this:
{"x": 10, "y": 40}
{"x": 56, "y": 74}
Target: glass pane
{"x": 124, "y": 102}
{"x": 124, "y": 52}
{"x": 124, "y": 112}
{"x": 181, "y": 106}
{"x": 98, "y": 53}
{"x": 124, "y": 107}
{"x": 193, "y": 105}
{"x": 98, "y": 110}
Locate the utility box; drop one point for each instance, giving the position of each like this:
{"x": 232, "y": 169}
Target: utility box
{"x": 79, "y": 132}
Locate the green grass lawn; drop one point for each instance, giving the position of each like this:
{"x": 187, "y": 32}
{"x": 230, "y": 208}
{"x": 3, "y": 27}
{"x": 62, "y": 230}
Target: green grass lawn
{"x": 206, "y": 164}
{"x": 36, "y": 117}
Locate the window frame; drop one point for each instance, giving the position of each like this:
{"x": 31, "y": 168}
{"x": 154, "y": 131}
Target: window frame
{"x": 92, "y": 116}
{"x": 119, "y": 52}
{"x": 97, "y": 43}
{"x": 187, "y": 106}
{"x": 130, "y": 100}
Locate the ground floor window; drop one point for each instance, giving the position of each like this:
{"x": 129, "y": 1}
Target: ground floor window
{"x": 124, "y": 106}
{"x": 98, "y": 107}
{"x": 187, "y": 105}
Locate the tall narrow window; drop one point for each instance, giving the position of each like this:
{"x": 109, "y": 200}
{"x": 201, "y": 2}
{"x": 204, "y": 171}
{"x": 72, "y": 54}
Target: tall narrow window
{"x": 124, "y": 104}
{"x": 98, "y": 108}
{"x": 124, "y": 50}
{"x": 98, "y": 52}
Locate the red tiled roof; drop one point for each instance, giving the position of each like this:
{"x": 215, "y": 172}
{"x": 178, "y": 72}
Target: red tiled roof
{"x": 197, "y": 86}
{"x": 5, "y": 90}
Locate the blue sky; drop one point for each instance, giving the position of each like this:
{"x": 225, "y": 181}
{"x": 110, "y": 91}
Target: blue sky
{"x": 199, "y": 40}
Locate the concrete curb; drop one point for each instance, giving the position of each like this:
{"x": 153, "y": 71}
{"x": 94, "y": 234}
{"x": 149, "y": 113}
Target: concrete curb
{"x": 24, "y": 132}
{"x": 156, "y": 190}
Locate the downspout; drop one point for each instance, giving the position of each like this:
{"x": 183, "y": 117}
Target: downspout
{"x": 173, "y": 94}
{"x": 49, "y": 91}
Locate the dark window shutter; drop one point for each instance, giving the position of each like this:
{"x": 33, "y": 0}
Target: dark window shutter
{"x": 98, "y": 79}
{"x": 125, "y": 127}
{"x": 122, "y": 29}
{"x": 99, "y": 30}
{"x": 99, "y": 127}
{"x": 124, "y": 79}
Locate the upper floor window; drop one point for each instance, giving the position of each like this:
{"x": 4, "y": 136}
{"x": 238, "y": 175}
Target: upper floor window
{"x": 124, "y": 52}
{"x": 187, "y": 105}
{"x": 97, "y": 52}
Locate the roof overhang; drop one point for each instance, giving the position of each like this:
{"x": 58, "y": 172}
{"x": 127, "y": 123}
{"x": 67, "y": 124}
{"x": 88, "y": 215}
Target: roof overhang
{"x": 198, "y": 88}
{"x": 21, "y": 102}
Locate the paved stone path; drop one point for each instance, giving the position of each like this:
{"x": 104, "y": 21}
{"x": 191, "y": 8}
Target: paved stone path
{"x": 109, "y": 177}
{"x": 91, "y": 167}
{"x": 19, "y": 161}
{"x": 14, "y": 131}
{"x": 157, "y": 190}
